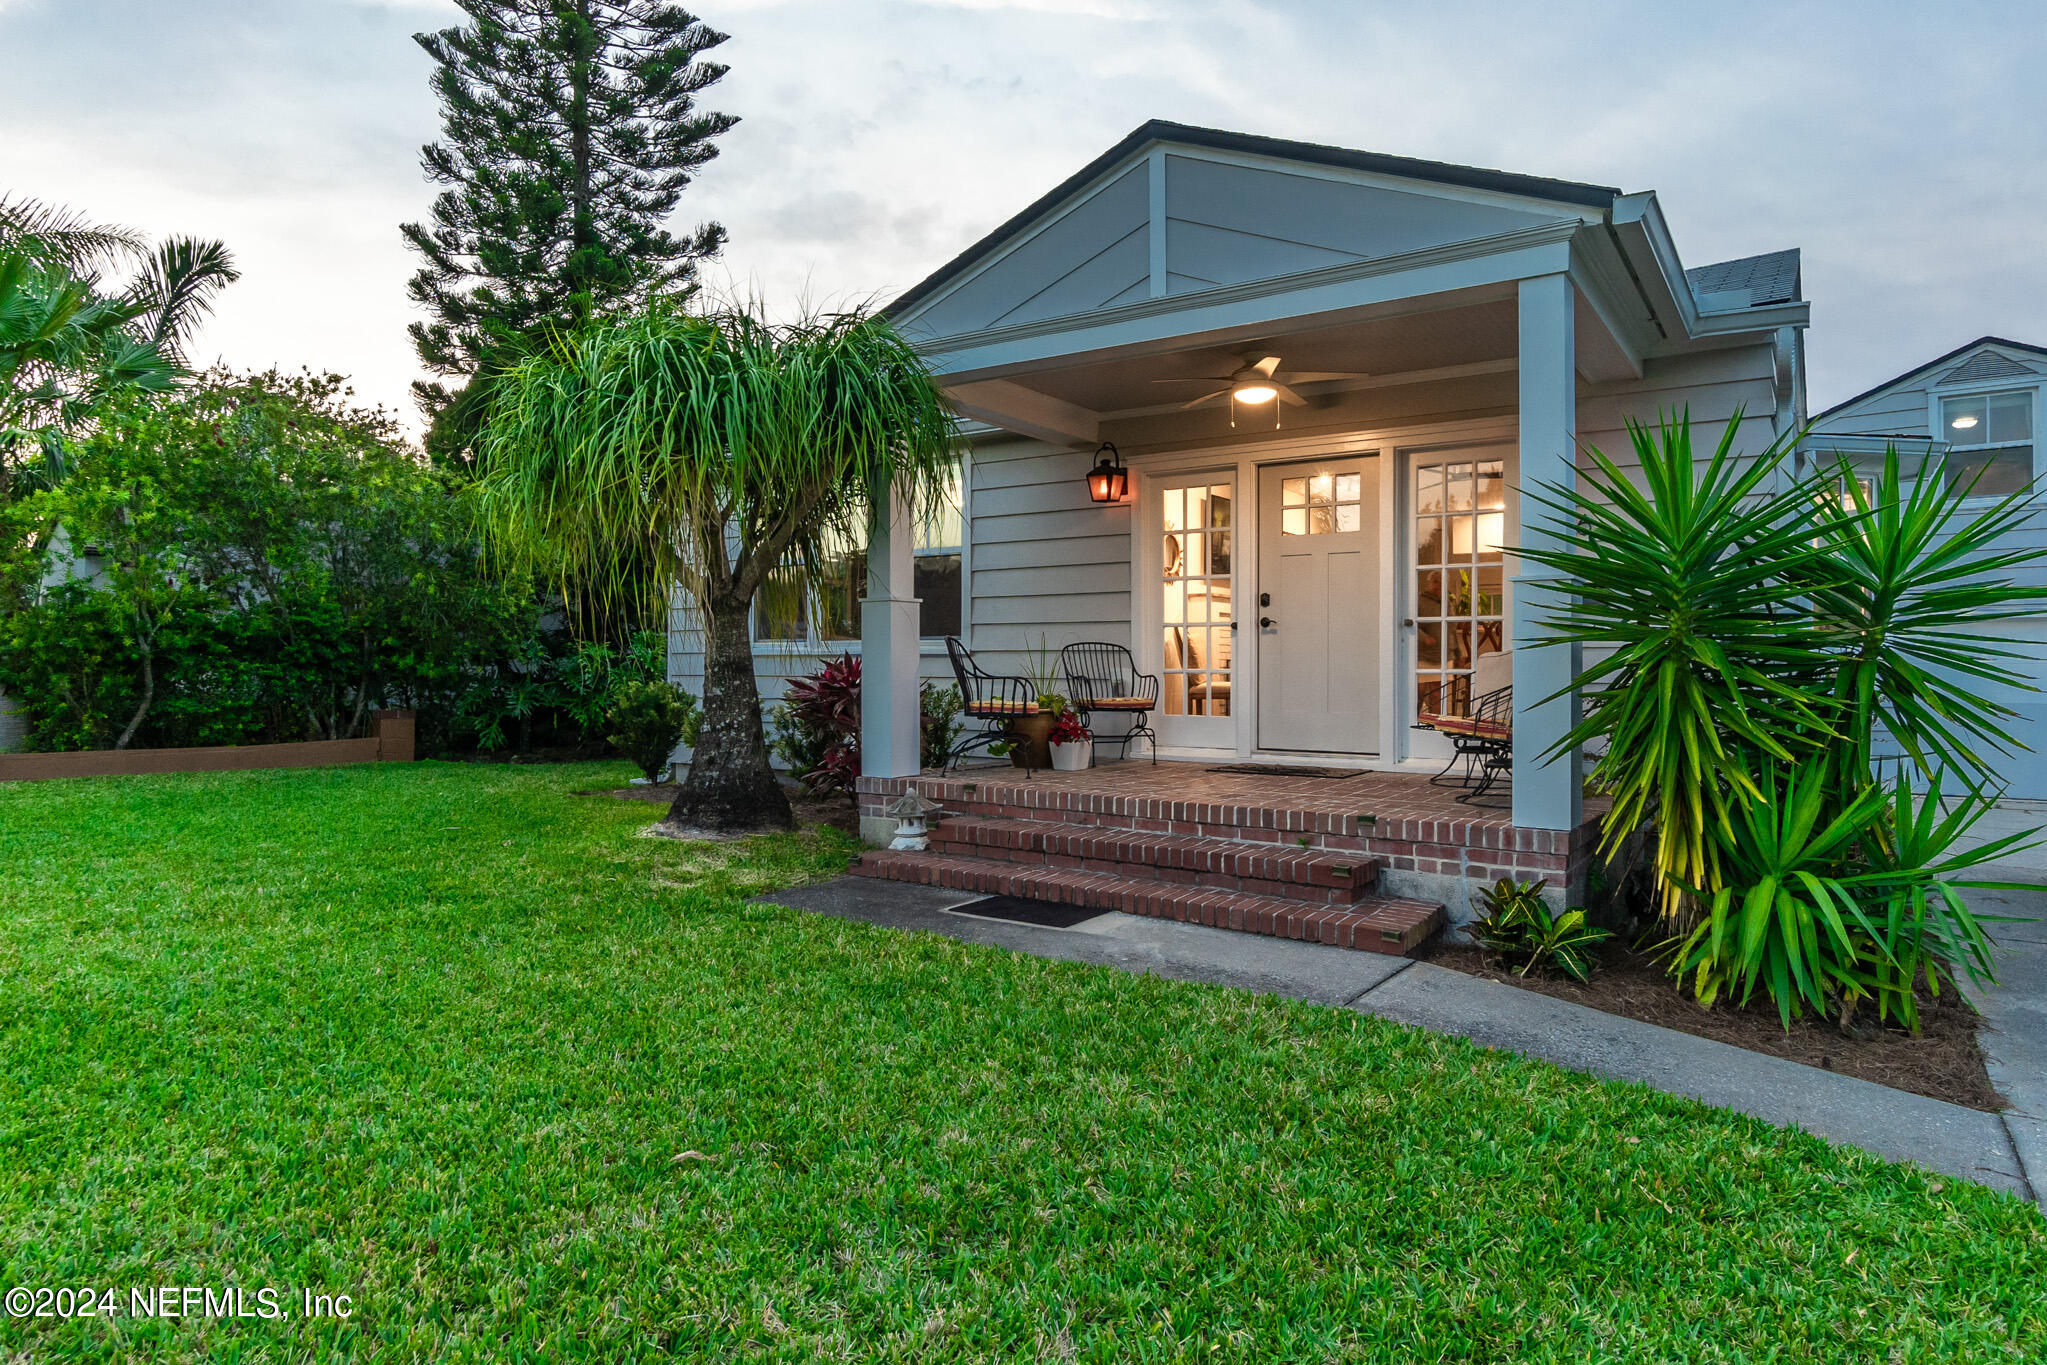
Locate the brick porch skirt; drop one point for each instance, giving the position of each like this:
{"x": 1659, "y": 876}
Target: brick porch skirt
{"x": 1424, "y": 843}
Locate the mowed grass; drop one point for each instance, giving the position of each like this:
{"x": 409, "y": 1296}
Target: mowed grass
{"x": 527, "y": 1087}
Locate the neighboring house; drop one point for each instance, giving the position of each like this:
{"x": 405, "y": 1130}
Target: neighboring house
{"x": 1300, "y": 573}
{"x": 1976, "y": 410}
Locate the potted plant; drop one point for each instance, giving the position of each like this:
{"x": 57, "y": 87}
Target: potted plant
{"x": 1030, "y": 731}
{"x": 1072, "y": 743}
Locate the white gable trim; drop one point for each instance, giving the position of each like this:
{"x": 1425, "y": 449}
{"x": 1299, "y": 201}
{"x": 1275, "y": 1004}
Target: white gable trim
{"x": 907, "y": 319}
{"x": 1153, "y": 156}
{"x": 1287, "y": 303}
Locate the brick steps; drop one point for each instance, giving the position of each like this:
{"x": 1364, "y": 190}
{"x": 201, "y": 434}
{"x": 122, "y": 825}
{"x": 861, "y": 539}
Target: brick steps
{"x": 1381, "y": 924}
{"x": 1264, "y": 869}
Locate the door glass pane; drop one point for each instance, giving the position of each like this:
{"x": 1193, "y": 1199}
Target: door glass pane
{"x": 1460, "y": 589}
{"x": 1293, "y": 521}
{"x": 1428, "y": 489}
{"x": 1321, "y": 520}
{"x": 1194, "y": 602}
{"x": 1293, "y": 492}
{"x": 1176, "y": 510}
{"x": 1346, "y": 517}
{"x": 1349, "y": 487}
{"x": 1492, "y": 485}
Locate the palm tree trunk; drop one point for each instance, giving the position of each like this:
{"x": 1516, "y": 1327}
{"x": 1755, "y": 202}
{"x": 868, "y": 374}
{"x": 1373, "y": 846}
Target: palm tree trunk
{"x": 731, "y": 784}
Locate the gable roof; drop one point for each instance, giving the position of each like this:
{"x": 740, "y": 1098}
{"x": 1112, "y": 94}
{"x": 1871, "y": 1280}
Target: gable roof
{"x": 1311, "y": 153}
{"x": 1934, "y": 363}
{"x": 1772, "y": 277}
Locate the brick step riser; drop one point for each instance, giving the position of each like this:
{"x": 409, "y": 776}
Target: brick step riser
{"x": 1303, "y": 840}
{"x": 1254, "y": 873}
{"x": 1340, "y": 926}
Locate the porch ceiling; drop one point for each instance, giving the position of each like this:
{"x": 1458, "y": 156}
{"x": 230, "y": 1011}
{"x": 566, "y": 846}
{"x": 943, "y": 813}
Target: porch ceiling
{"x": 1065, "y": 401}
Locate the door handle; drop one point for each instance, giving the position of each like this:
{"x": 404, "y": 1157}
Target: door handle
{"x": 1266, "y": 623}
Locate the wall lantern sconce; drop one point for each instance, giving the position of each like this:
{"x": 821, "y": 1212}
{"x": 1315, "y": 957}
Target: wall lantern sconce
{"x": 1108, "y": 481}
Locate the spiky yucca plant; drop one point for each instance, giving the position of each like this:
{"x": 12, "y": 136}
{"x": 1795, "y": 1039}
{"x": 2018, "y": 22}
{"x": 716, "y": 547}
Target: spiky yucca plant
{"x": 1681, "y": 583}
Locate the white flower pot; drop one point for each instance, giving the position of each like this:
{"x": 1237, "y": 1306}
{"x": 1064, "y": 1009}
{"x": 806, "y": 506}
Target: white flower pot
{"x": 1073, "y": 755}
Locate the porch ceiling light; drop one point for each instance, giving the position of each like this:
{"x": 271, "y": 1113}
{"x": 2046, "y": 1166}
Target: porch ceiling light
{"x": 1253, "y": 391}
{"x": 1108, "y": 481}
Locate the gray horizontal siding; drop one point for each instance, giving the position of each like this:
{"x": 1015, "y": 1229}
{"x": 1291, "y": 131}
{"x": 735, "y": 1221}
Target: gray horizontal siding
{"x": 1049, "y": 566}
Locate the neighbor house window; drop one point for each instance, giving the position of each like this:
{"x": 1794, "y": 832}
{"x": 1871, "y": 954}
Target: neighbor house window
{"x": 1990, "y": 441}
{"x": 829, "y": 611}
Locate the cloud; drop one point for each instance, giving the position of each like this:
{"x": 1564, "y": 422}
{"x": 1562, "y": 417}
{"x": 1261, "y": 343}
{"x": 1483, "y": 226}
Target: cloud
{"x": 878, "y": 139}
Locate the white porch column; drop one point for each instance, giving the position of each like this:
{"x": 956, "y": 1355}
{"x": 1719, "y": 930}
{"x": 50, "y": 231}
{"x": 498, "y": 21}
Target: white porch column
{"x": 889, "y": 623}
{"x": 1547, "y": 795}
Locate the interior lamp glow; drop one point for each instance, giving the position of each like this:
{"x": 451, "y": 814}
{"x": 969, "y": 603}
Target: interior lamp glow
{"x": 1108, "y": 481}
{"x": 1964, "y": 422}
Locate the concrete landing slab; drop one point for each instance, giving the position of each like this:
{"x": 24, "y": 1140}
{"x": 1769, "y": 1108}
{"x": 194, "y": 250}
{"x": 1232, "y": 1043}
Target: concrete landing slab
{"x": 1945, "y": 1137}
{"x": 1184, "y": 952}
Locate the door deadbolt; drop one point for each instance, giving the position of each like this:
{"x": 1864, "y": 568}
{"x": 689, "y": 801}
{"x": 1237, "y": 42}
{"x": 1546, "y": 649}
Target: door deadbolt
{"x": 1264, "y": 599}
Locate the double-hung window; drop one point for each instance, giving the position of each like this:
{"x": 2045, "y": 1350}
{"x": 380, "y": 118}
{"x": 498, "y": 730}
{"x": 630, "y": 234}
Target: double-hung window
{"x": 825, "y": 609}
{"x": 1990, "y": 441}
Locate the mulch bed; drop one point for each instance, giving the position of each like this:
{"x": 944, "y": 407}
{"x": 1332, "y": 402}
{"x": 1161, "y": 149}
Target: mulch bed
{"x": 838, "y": 812}
{"x": 1943, "y": 1062}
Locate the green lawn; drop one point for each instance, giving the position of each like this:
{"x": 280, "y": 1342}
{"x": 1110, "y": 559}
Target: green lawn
{"x": 456, "y": 1043}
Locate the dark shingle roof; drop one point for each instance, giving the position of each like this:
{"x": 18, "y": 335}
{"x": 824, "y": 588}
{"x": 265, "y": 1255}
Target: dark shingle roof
{"x": 1769, "y": 278}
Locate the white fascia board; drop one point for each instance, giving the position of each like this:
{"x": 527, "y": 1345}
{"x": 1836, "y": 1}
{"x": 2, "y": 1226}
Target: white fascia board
{"x": 1288, "y": 303}
{"x": 1646, "y": 241}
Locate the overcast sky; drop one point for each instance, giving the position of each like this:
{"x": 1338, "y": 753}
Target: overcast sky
{"x": 1902, "y": 145}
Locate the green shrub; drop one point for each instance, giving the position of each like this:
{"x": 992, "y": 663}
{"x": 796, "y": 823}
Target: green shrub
{"x": 1757, "y": 634}
{"x": 1518, "y": 926}
{"x": 647, "y": 720}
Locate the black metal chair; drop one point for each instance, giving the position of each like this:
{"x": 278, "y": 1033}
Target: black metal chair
{"x": 1102, "y": 679}
{"x": 1480, "y": 727}
{"x": 991, "y": 698}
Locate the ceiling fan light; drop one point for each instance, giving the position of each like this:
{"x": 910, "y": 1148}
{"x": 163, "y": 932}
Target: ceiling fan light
{"x": 1253, "y": 392}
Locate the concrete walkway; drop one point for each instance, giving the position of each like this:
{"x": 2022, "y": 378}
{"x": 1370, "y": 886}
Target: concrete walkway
{"x": 2014, "y": 1034}
{"x": 1945, "y": 1137}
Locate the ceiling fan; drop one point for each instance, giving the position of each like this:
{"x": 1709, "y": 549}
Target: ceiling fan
{"x": 1258, "y": 380}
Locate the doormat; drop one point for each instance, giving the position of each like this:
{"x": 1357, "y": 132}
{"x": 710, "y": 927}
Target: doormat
{"x": 1045, "y": 914}
{"x": 1282, "y": 770}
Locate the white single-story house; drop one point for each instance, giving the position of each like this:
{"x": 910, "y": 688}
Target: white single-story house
{"x": 1975, "y": 409}
{"x": 1299, "y": 571}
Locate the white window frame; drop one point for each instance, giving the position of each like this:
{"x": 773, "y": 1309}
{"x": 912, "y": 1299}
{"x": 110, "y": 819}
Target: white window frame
{"x": 1936, "y": 401}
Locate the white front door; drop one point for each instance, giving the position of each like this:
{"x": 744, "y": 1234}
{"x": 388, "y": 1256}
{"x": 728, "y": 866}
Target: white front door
{"x": 1318, "y": 611}
{"x": 1197, "y": 612}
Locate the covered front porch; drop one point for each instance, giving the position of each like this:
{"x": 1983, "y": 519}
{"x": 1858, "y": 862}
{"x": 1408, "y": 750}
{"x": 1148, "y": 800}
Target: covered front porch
{"x": 1331, "y": 380}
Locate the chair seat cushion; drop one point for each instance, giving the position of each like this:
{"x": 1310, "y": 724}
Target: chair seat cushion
{"x": 1120, "y": 704}
{"x": 1001, "y": 708}
{"x": 1476, "y": 729}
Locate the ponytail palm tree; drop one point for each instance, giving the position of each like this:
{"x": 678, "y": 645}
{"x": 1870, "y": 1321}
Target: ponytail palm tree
{"x": 720, "y": 449}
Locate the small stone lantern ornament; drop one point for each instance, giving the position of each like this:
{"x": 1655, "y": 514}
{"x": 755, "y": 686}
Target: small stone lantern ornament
{"x": 1108, "y": 481}
{"x": 913, "y": 833}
